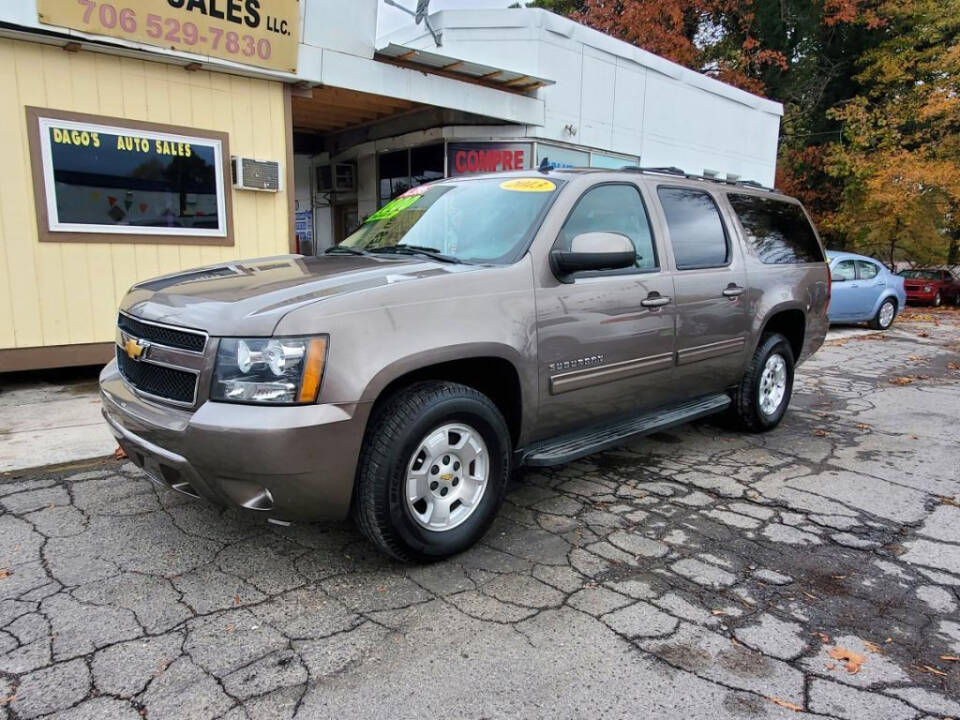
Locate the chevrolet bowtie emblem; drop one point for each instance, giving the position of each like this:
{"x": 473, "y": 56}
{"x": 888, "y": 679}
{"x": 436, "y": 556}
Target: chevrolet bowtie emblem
{"x": 447, "y": 477}
{"x": 135, "y": 349}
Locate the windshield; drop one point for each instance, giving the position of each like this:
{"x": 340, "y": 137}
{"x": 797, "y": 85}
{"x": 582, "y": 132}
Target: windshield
{"x": 921, "y": 274}
{"x": 481, "y": 221}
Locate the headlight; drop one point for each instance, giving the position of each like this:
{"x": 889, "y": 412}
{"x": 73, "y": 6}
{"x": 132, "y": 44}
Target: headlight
{"x": 927, "y": 288}
{"x": 271, "y": 371}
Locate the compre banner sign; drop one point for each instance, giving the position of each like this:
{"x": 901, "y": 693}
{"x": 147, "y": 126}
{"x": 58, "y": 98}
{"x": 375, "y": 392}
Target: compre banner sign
{"x": 265, "y": 33}
{"x": 474, "y": 158}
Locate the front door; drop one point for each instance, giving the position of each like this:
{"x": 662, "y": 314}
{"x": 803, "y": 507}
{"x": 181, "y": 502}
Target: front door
{"x": 710, "y": 288}
{"x": 606, "y": 338}
{"x": 851, "y": 295}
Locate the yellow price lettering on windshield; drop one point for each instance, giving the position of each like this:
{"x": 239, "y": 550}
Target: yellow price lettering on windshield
{"x": 528, "y": 185}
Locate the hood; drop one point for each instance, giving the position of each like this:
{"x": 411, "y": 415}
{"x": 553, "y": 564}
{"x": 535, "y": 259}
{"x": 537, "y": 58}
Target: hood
{"x": 250, "y": 297}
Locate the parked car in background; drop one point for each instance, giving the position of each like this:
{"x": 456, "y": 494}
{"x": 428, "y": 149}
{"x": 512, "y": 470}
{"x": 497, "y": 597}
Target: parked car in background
{"x": 931, "y": 287}
{"x": 863, "y": 290}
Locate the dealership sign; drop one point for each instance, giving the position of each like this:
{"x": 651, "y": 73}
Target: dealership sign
{"x": 264, "y": 33}
{"x": 476, "y": 158}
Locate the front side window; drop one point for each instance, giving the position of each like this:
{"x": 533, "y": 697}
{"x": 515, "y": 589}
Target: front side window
{"x": 108, "y": 180}
{"x": 845, "y": 270}
{"x": 867, "y": 270}
{"x": 778, "y": 231}
{"x": 615, "y": 209}
{"x": 482, "y": 221}
{"x": 696, "y": 230}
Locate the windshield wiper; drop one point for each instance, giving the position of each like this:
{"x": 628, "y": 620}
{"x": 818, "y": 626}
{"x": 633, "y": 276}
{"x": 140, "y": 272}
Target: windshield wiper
{"x": 432, "y": 253}
{"x": 343, "y": 249}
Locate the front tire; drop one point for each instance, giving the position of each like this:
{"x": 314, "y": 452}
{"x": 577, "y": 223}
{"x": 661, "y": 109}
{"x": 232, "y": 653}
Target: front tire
{"x": 762, "y": 397}
{"x": 885, "y": 315}
{"x": 937, "y": 300}
{"x": 433, "y": 471}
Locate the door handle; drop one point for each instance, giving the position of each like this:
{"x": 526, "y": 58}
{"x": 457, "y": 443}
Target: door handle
{"x": 733, "y": 291}
{"x": 655, "y": 301}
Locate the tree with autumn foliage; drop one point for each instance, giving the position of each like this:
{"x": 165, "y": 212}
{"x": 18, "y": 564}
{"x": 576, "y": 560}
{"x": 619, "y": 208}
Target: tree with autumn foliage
{"x": 870, "y": 130}
{"x": 899, "y": 161}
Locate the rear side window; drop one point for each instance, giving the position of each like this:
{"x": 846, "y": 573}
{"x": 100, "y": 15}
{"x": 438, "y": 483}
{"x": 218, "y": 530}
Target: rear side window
{"x": 845, "y": 269}
{"x": 779, "y": 231}
{"x": 696, "y": 230}
{"x": 617, "y": 209}
{"x": 867, "y": 270}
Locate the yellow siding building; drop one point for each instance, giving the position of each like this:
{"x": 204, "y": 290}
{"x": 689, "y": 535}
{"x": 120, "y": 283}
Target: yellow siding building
{"x": 58, "y": 300}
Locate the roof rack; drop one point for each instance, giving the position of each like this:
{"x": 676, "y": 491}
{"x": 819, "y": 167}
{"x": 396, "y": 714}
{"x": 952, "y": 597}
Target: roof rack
{"x": 691, "y": 176}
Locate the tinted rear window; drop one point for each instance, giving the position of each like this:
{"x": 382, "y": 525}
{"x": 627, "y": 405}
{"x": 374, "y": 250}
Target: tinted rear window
{"x": 779, "y": 231}
{"x": 696, "y": 230}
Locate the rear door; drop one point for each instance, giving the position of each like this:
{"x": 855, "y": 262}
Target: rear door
{"x": 709, "y": 284}
{"x": 872, "y": 283}
{"x": 606, "y": 339}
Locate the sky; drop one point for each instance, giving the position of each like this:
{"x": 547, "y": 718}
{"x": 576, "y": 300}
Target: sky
{"x": 392, "y": 19}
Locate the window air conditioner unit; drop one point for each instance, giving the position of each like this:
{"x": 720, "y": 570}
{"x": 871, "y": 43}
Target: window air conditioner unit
{"x": 250, "y": 174}
{"x": 339, "y": 177}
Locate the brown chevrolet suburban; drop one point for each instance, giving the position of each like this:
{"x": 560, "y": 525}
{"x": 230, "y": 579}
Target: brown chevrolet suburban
{"x": 467, "y": 328}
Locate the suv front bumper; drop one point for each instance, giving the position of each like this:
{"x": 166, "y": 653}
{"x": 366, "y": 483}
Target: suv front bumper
{"x": 286, "y": 463}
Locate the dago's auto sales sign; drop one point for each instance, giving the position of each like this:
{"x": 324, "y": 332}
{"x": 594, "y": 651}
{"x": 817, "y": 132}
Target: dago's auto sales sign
{"x": 255, "y": 32}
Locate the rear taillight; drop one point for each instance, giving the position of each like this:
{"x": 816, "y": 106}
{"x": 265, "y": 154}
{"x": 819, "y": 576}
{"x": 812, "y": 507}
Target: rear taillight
{"x": 829, "y": 288}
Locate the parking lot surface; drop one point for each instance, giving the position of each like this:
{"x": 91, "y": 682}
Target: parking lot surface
{"x": 697, "y": 573}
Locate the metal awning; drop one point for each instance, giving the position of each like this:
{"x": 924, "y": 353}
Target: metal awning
{"x": 462, "y": 69}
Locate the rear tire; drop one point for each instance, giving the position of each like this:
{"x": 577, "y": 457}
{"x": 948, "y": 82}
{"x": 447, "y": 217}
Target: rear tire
{"x": 762, "y": 397}
{"x": 436, "y": 441}
{"x": 885, "y": 315}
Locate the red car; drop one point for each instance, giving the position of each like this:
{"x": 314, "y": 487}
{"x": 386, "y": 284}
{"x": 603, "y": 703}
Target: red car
{"x": 931, "y": 287}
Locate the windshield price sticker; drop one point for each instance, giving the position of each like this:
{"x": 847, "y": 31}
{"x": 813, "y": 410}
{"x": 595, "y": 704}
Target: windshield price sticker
{"x": 252, "y": 32}
{"x": 528, "y": 185}
{"x": 393, "y": 208}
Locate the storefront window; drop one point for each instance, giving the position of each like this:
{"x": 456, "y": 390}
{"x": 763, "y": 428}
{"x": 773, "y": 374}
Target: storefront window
{"x": 394, "y": 174}
{"x": 611, "y": 162}
{"x": 106, "y": 179}
{"x": 561, "y": 157}
{"x": 405, "y": 169}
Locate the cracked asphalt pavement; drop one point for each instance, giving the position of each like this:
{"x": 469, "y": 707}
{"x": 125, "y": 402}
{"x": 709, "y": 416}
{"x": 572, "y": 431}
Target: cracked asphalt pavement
{"x": 698, "y": 573}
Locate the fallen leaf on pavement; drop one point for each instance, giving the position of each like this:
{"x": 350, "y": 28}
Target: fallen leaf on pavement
{"x": 785, "y": 704}
{"x": 824, "y": 638}
{"x": 950, "y": 501}
{"x": 851, "y": 660}
{"x": 230, "y": 628}
{"x": 5, "y": 573}
{"x": 820, "y": 433}
{"x": 953, "y": 365}
{"x": 719, "y": 612}
{"x": 862, "y": 426}
{"x": 119, "y": 454}
{"x": 950, "y": 658}
{"x": 872, "y": 647}
{"x": 902, "y": 380}
{"x": 933, "y": 671}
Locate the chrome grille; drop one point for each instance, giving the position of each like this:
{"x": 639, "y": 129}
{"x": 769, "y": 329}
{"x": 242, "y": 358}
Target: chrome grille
{"x": 160, "y": 361}
{"x": 162, "y": 335}
{"x": 157, "y": 380}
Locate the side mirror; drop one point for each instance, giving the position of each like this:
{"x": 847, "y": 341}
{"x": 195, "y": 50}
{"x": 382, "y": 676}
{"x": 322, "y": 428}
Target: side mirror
{"x": 837, "y": 277}
{"x": 594, "y": 251}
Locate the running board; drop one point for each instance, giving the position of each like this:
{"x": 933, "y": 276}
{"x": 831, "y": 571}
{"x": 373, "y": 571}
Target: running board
{"x": 573, "y": 446}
